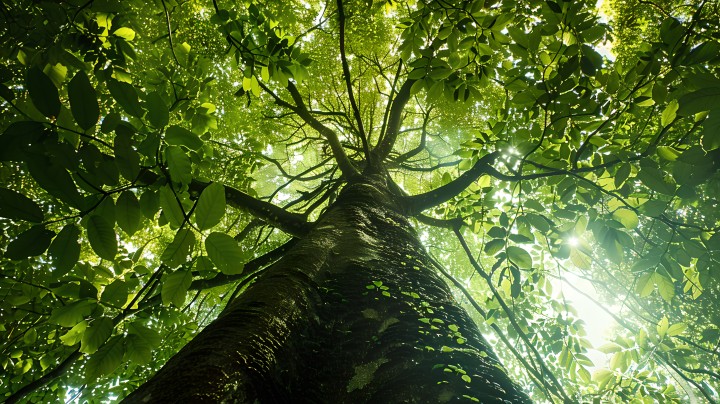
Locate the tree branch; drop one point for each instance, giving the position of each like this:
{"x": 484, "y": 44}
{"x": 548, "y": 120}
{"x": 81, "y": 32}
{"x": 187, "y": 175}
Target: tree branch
{"x": 418, "y": 203}
{"x": 381, "y": 151}
{"x": 348, "y": 83}
{"x": 291, "y": 223}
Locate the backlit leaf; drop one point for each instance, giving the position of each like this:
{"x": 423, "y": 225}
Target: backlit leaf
{"x": 493, "y": 246}
{"x": 669, "y": 113}
{"x": 170, "y": 206}
{"x": 115, "y": 293}
{"x": 645, "y": 284}
{"x": 75, "y": 334}
{"x": 210, "y": 206}
{"x": 106, "y": 359}
{"x": 125, "y": 33}
{"x": 177, "y": 251}
{"x": 175, "y": 287}
{"x": 666, "y": 287}
{"x": 179, "y": 165}
{"x": 179, "y": 136}
{"x": 224, "y": 252}
{"x": 72, "y": 313}
{"x": 96, "y": 334}
{"x": 519, "y": 257}
{"x": 627, "y": 217}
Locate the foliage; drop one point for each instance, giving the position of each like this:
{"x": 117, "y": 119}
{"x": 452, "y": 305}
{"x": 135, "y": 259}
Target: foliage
{"x": 142, "y": 142}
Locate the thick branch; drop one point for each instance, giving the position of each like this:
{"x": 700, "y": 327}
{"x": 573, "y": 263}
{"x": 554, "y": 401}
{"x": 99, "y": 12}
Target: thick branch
{"x": 418, "y": 203}
{"x": 346, "y": 166}
{"x": 291, "y": 223}
{"x": 387, "y": 143}
{"x": 348, "y": 82}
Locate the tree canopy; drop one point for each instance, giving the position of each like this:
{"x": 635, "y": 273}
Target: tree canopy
{"x": 157, "y": 156}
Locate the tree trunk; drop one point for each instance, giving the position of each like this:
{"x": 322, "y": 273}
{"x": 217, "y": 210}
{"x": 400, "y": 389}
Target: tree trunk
{"x": 352, "y": 313}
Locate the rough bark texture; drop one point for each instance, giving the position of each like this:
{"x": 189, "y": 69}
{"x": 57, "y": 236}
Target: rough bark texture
{"x": 352, "y": 313}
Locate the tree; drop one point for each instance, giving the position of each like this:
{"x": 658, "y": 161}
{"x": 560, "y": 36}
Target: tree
{"x": 267, "y": 197}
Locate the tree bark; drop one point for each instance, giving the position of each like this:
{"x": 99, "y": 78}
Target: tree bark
{"x": 352, "y": 313}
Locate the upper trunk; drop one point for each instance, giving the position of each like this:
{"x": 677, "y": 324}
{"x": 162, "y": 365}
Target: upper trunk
{"x": 352, "y": 313}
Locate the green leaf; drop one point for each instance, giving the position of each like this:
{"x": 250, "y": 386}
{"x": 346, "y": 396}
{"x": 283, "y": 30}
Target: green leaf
{"x": 106, "y": 359}
{"x": 493, "y": 246}
{"x": 72, "y": 313}
{"x": 141, "y": 341}
{"x": 175, "y": 287}
{"x": 149, "y": 203}
{"x": 519, "y": 257}
{"x": 204, "y": 264}
{"x": 116, "y": 293}
{"x": 676, "y": 329}
{"x": 654, "y": 179}
{"x": 580, "y": 259}
{"x": 126, "y": 97}
{"x": 662, "y": 327}
{"x": 96, "y": 334}
{"x": 125, "y": 33}
{"x": 591, "y": 61}
{"x": 627, "y": 217}
{"x": 666, "y": 287}
{"x": 158, "y": 114}
{"x": 106, "y": 210}
{"x": 711, "y": 130}
{"x": 65, "y": 248}
{"x": 179, "y": 165}
{"x": 126, "y": 157}
{"x": 170, "y": 206}
{"x": 178, "y": 136}
{"x": 43, "y": 92}
{"x": 102, "y": 237}
{"x": 29, "y": 243}
{"x": 224, "y": 251}
{"x": 210, "y": 207}
{"x": 177, "y": 251}
{"x": 602, "y": 377}
{"x": 645, "y": 284}
{"x": 669, "y": 113}
{"x": 700, "y": 100}
{"x": 55, "y": 180}
{"x": 75, "y": 334}
{"x": 16, "y": 206}
{"x": 83, "y": 101}
{"x": 127, "y": 211}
